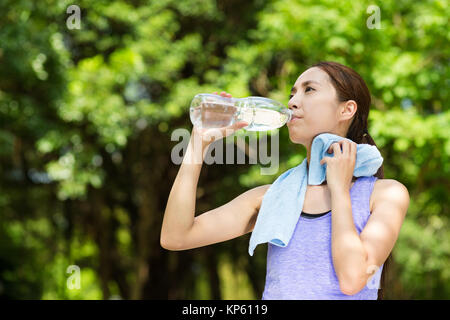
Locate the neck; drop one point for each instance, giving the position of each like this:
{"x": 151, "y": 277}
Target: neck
{"x": 308, "y": 156}
{"x": 307, "y": 168}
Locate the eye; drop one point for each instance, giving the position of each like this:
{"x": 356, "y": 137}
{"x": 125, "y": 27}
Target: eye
{"x": 307, "y": 89}
{"x": 290, "y": 96}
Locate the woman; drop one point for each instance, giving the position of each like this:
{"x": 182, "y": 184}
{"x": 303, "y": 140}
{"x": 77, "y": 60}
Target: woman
{"x": 335, "y": 257}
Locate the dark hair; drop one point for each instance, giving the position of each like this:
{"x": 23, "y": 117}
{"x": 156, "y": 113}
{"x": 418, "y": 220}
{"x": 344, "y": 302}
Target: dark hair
{"x": 351, "y": 86}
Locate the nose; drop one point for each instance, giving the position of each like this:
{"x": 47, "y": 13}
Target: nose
{"x": 292, "y": 105}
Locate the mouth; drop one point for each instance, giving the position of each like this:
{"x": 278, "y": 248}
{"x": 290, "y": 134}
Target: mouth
{"x": 294, "y": 119}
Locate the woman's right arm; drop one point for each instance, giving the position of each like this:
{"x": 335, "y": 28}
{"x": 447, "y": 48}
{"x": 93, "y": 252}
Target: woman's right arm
{"x": 182, "y": 230}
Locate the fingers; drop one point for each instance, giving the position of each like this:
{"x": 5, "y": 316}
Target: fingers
{"x": 336, "y": 148}
{"x": 240, "y": 124}
{"x": 330, "y": 148}
{"x": 353, "y": 148}
{"x": 219, "y": 133}
{"x": 343, "y": 147}
{"x": 223, "y": 94}
{"x": 236, "y": 126}
{"x": 349, "y": 149}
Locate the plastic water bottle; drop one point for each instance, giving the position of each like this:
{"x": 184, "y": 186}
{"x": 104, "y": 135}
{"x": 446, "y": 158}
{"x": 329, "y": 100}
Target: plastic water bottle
{"x": 214, "y": 111}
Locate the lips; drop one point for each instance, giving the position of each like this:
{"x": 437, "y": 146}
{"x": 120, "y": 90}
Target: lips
{"x": 295, "y": 118}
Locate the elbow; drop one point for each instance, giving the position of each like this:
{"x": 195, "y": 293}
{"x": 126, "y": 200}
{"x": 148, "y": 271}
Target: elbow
{"x": 348, "y": 290}
{"x": 164, "y": 244}
{"x": 351, "y": 287}
{"x": 169, "y": 245}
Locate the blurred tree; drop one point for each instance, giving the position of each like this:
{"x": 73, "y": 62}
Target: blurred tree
{"x": 86, "y": 118}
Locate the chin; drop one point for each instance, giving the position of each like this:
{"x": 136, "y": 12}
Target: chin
{"x": 296, "y": 138}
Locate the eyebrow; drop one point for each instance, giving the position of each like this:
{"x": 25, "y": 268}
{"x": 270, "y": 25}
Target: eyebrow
{"x": 304, "y": 84}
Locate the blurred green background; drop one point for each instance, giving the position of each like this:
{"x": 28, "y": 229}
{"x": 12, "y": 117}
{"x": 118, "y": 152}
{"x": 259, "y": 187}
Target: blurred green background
{"x": 87, "y": 115}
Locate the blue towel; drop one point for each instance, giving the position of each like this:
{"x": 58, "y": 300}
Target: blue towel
{"x": 283, "y": 202}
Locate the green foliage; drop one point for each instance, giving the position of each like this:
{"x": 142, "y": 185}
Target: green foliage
{"x": 86, "y": 117}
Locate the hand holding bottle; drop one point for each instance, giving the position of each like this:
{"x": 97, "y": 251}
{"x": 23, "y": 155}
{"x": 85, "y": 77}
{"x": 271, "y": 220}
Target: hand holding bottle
{"x": 209, "y": 135}
{"x": 213, "y": 111}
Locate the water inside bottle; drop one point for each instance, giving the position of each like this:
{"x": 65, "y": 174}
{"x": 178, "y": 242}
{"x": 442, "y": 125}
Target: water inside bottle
{"x": 260, "y": 113}
{"x": 213, "y": 115}
{"x": 261, "y": 119}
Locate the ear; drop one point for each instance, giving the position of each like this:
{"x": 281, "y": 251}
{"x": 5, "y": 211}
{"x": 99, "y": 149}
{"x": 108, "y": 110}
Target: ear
{"x": 348, "y": 109}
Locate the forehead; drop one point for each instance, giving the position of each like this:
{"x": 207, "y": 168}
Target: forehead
{"x": 314, "y": 74}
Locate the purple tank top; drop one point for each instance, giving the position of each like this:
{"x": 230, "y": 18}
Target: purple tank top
{"x": 304, "y": 269}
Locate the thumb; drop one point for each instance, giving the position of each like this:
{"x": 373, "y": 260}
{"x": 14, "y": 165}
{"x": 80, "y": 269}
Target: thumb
{"x": 324, "y": 160}
{"x": 239, "y": 125}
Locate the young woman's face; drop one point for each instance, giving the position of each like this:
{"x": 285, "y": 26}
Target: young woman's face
{"x": 314, "y": 100}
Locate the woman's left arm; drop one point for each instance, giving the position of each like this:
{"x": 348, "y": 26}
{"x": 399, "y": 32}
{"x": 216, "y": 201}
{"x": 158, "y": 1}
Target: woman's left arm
{"x": 356, "y": 257}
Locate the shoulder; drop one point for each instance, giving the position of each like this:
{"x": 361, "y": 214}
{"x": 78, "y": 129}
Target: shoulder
{"x": 254, "y": 197}
{"x": 389, "y": 190}
{"x": 390, "y": 185}
{"x": 260, "y": 192}
{"x": 256, "y": 194}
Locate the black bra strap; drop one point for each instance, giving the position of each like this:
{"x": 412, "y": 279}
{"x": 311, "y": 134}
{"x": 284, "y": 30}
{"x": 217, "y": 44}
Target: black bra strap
{"x": 315, "y": 215}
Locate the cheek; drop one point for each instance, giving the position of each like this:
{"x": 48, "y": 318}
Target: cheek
{"x": 317, "y": 122}
{"x": 321, "y": 116}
